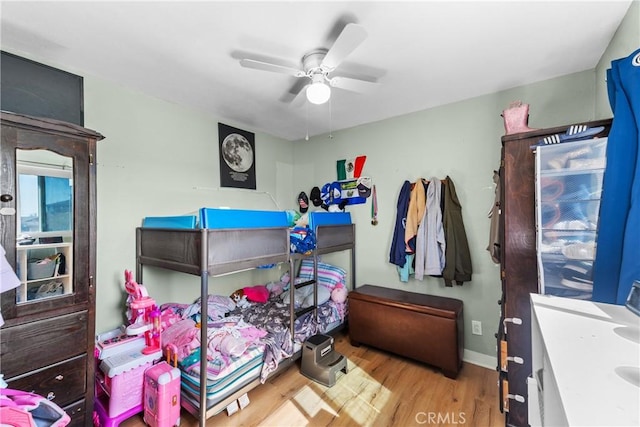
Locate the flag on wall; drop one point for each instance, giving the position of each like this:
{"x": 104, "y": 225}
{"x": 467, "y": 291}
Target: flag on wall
{"x": 350, "y": 168}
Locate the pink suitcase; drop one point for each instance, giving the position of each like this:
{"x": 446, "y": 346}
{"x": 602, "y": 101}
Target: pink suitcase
{"x": 162, "y": 395}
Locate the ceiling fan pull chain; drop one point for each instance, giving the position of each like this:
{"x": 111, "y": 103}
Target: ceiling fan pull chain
{"x": 330, "y": 104}
{"x": 306, "y": 104}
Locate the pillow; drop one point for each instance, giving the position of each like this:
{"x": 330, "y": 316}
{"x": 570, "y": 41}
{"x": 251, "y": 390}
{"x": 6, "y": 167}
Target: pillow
{"x": 299, "y": 296}
{"x": 328, "y": 275}
{"x": 324, "y": 294}
{"x": 258, "y": 293}
{"x": 276, "y": 288}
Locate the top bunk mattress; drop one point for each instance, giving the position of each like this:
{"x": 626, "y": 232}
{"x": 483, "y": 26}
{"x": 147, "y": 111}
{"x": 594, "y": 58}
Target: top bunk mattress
{"x": 220, "y": 219}
{"x": 241, "y": 218}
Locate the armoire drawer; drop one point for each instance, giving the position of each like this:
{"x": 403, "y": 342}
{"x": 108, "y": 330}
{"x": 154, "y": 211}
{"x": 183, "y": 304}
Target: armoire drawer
{"x": 77, "y": 412}
{"x": 30, "y": 346}
{"x": 62, "y": 383}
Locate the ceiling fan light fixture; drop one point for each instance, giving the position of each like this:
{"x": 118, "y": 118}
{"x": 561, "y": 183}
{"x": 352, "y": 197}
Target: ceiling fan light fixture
{"x": 318, "y": 92}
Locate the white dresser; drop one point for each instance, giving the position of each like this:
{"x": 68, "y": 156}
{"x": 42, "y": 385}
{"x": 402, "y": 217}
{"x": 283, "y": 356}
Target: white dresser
{"x": 585, "y": 363}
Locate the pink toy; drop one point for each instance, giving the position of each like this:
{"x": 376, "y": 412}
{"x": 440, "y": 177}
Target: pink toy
{"x": 152, "y": 336}
{"x": 101, "y": 417}
{"x": 119, "y": 382}
{"x": 339, "y": 293}
{"x": 144, "y": 315}
{"x": 162, "y": 395}
{"x": 171, "y": 351}
{"x": 16, "y": 417}
{"x": 138, "y": 302}
{"x": 24, "y": 409}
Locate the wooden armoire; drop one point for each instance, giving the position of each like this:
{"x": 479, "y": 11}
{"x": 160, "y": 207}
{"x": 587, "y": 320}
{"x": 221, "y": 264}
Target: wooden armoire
{"x": 48, "y": 192}
{"x": 518, "y": 266}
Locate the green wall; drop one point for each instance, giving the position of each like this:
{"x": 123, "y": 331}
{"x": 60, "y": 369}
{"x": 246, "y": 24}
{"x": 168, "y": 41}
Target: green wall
{"x": 159, "y": 158}
{"x": 460, "y": 140}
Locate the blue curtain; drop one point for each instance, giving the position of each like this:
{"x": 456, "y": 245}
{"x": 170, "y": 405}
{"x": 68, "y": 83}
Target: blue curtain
{"x": 617, "y": 262}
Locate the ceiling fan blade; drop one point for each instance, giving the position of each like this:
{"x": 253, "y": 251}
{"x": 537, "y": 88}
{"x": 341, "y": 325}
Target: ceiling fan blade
{"x": 267, "y": 66}
{"x": 301, "y": 97}
{"x": 349, "y": 39}
{"x": 354, "y": 85}
{"x": 294, "y": 90}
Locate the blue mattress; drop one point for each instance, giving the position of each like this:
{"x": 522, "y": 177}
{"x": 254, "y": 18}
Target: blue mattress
{"x": 241, "y": 218}
{"x": 185, "y": 221}
{"x": 215, "y": 218}
{"x": 328, "y": 218}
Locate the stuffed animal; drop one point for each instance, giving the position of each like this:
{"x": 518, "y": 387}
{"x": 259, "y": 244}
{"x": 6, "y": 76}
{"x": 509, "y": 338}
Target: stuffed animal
{"x": 303, "y": 220}
{"x": 237, "y": 295}
{"x": 258, "y": 293}
{"x": 339, "y": 293}
{"x": 276, "y": 288}
{"x": 285, "y": 278}
{"x": 240, "y": 299}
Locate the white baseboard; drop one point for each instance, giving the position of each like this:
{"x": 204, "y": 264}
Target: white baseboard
{"x": 480, "y": 359}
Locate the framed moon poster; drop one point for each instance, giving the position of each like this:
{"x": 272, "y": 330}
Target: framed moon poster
{"x": 237, "y": 157}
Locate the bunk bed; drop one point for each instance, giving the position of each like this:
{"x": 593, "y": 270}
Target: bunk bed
{"x": 211, "y": 252}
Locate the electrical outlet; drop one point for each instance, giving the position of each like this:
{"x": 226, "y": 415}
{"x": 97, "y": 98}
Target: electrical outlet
{"x": 476, "y": 327}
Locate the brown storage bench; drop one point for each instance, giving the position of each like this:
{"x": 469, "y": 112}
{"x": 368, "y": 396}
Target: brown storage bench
{"x": 426, "y": 328}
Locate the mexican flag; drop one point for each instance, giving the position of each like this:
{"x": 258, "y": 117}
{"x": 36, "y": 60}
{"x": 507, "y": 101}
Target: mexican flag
{"x": 350, "y": 168}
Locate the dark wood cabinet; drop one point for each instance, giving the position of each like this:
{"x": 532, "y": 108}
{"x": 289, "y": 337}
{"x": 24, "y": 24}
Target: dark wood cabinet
{"x": 47, "y": 340}
{"x": 518, "y": 269}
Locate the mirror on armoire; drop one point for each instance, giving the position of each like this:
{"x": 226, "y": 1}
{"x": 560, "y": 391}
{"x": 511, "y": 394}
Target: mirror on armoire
{"x": 44, "y": 225}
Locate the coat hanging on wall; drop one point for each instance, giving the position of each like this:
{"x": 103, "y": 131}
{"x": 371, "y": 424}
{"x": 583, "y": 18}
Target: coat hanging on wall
{"x": 458, "y": 265}
{"x": 411, "y": 215}
{"x": 494, "y": 216}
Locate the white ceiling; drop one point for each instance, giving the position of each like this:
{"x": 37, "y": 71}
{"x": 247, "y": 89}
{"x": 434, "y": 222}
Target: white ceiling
{"x": 423, "y": 53}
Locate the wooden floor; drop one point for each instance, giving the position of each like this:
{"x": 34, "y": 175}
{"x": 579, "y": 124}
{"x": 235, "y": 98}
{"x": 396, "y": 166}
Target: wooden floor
{"x": 380, "y": 389}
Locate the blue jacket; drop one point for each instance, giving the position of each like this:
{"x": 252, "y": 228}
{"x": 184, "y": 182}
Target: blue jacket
{"x": 397, "y": 253}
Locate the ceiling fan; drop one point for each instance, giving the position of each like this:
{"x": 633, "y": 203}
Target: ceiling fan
{"x": 318, "y": 66}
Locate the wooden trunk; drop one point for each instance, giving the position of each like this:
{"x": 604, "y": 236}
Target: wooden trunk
{"x": 426, "y": 328}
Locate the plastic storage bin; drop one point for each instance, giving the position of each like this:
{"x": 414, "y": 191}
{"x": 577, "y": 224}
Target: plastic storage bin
{"x": 568, "y": 191}
{"x": 40, "y": 269}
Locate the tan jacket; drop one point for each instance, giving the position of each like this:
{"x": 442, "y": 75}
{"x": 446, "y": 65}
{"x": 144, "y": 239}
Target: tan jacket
{"x": 415, "y": 212}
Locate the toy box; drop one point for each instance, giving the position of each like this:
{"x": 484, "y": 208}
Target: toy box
{"x": 162, "y": 395}
{"x": 121, "y": 377}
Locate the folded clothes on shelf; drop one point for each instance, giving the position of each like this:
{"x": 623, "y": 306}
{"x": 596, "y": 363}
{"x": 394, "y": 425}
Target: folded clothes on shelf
{"x": 580, "y": 251}
{"x": 577, "y": 275}
{"x": 574, "y": 133}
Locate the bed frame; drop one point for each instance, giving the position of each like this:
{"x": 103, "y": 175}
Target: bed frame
{"x": 215, "y": 252}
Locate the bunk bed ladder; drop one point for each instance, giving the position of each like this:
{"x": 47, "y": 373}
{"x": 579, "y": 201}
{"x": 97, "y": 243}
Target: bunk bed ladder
{"x": 295, "y": 314}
